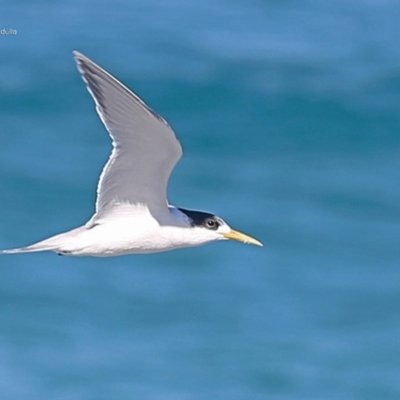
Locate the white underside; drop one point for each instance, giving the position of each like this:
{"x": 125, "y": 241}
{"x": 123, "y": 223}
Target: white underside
{"x": 127, "y": 230}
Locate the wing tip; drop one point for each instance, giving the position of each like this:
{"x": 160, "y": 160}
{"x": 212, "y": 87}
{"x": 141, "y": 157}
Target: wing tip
{"x": 82, "y": 61}
{"x": 77, "y": 55}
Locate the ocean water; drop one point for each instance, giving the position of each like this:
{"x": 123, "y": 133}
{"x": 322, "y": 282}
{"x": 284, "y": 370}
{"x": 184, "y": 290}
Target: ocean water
{"x": 289, "y": 115}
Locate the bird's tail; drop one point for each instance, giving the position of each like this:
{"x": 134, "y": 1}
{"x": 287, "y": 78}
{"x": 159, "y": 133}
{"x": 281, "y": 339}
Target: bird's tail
{"x": 40, "y": 246}
{"x": 55, "y": 243}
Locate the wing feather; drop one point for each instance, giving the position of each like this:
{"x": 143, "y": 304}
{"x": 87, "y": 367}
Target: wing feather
{"x": 145, "y": 148}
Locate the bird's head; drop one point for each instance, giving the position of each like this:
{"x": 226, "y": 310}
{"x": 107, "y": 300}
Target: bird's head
{"x": 208, "y": 228}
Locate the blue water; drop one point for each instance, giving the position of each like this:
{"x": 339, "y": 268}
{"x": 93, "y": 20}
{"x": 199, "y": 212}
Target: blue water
{"x": 289, "y": 115}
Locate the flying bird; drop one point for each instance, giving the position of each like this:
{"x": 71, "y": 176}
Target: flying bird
{"x": 132, "y": 212}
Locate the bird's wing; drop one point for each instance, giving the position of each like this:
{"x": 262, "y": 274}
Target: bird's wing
{"x": 145, "y": 148}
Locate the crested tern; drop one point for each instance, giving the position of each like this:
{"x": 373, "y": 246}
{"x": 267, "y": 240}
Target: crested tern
{"x": 132, "y": 212}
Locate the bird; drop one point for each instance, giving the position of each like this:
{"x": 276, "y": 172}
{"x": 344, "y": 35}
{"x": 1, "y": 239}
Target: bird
{"x": 132, "y": 213}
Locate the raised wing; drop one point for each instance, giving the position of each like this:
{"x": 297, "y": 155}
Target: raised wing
{"x": 145, "y": 148}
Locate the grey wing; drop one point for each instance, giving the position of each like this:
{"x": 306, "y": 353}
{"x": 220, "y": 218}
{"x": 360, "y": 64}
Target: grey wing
{"x": 145, "y": 148}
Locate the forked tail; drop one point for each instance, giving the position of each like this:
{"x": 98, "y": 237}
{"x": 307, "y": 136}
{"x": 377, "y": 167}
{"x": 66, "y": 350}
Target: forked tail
{"x": 54, "y": 243}
{"x": 41, "y": 246}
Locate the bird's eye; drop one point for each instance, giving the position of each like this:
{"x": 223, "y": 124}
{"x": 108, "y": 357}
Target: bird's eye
{"x": 211, "y": 224}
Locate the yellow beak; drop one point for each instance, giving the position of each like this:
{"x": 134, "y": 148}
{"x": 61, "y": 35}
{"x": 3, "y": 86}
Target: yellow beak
{"x": 241, "y": 237}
